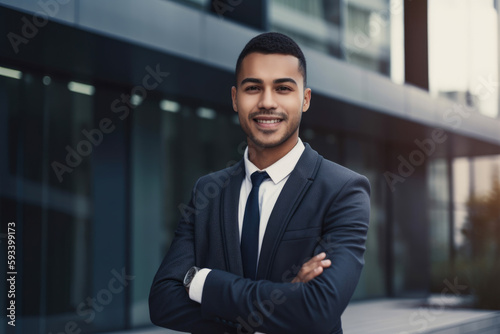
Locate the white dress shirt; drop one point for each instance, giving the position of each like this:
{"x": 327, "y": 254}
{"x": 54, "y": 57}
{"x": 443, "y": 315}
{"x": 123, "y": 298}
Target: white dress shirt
{"x": 269, "y": 191}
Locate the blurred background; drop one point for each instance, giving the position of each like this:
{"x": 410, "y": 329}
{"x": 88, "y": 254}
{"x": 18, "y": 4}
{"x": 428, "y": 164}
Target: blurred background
{"x": 111, "y": 110}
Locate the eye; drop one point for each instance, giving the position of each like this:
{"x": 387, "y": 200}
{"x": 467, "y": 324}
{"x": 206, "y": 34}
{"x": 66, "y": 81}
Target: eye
{"x": 283, "y": 89}
{"x": 251, "y": 88}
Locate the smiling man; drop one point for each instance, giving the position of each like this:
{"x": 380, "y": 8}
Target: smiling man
{"x": 278, "y": 247}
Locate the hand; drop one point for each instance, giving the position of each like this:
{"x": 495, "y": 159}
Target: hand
{"x": 312, "y": 268}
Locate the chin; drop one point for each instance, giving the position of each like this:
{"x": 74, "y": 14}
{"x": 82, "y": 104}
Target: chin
{"x": 268, "y": 143}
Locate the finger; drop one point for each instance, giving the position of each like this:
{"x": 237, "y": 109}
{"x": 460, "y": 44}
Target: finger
{"x": 326, "y": 263}
{"x": 312, "y": 268}
{"x": 312, "y": 274}
{"x": 307, "y": 271}
{"x": 313, "y": 263}
{"x": 308, "y": 266}
{"x": 307, "y": 274}
{"x": 314, "y": 260}
{"x": 320, "y": 256}
{"x": 304, "y": 273}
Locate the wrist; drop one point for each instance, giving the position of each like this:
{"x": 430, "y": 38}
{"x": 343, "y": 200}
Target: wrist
{"x": 188, "y": 278}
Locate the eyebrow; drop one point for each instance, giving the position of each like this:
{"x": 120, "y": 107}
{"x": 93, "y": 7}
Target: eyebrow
{"x": 277, "y": 81}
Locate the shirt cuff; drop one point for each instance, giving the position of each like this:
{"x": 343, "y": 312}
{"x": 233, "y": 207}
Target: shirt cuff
{"x": 196, "y": 287}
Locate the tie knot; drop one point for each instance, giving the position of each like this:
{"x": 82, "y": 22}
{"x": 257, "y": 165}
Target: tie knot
{"x": 258, "y": 178}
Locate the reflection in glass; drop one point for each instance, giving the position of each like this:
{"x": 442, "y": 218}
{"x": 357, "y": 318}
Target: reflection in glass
{"x": 358, "y": 31}
{"x": 479, "y": 224}
{"x": 439, "y": 218}
{"x": 364, "y": 157}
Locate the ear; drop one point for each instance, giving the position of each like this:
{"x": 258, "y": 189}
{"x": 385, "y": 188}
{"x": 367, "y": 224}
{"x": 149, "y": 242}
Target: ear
{"x": 233, "y": 97}
{"x": 307, "y": 100}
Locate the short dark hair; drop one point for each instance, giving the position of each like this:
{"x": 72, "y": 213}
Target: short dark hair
{"x": 270, "y": 43}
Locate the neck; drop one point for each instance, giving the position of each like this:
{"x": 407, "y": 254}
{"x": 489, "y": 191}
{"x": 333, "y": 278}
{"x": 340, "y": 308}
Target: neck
{"x": 265, "y": 157}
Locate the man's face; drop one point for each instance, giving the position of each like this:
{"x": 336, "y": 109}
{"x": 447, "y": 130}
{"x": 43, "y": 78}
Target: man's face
{"x": 270, "y": 99}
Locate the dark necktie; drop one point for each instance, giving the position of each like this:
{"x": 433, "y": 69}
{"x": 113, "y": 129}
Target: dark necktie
{"x": 250, "y": 232}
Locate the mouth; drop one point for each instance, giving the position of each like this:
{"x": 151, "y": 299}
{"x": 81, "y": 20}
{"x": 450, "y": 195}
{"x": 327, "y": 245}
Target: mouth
{"x": 267, "y": 121}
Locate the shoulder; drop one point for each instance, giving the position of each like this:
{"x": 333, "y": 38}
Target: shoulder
{"x": 337, "y": 176}
{"x": 221, "y": 177}
{"x": 330, "y": 168}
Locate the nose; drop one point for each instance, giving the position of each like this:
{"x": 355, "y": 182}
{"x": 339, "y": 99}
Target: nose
{"x": 267, "y": 100}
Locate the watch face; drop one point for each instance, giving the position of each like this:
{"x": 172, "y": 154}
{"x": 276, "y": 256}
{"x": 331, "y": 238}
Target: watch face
{"x": 189, "y": 276}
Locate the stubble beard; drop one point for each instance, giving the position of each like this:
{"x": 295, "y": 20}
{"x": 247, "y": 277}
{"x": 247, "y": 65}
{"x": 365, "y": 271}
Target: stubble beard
{"x": 265, "y": 145}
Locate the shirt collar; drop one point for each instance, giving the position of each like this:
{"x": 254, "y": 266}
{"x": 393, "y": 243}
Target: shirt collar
{"x": 281, "y": 168}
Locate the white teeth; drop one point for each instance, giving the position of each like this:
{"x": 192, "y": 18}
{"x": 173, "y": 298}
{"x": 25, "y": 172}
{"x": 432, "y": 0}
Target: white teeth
{"x": 270, "y": 121}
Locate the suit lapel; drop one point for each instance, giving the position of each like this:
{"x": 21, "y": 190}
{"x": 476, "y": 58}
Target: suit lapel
{"x": 292, "y": 193}
{"x": 229, "y": 219}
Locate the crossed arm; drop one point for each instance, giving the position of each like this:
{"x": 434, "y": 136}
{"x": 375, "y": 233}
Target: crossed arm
{"x": 312, "y": 302}
{"x": 310, "y": 269}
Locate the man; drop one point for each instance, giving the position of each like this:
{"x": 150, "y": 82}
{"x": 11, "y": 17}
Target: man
{"x": 249, "y": 255}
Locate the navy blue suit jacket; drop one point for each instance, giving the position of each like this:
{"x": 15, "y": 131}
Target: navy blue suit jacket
{"x": 322, "y": 207}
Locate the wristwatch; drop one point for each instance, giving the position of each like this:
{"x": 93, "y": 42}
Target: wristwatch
{"x": 190, "y": 275}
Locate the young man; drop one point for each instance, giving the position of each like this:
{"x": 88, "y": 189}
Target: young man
{"x": 251, "y": 254}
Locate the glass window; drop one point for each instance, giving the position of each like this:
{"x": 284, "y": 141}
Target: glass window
{"x": 63, "y": 186}
{"x": 41, "y": 116}
{"x": 367, "y": 36}
{"x": 69, "y": 113}
{"x": 313, "y": 23}
{"x": 461, "y": 194}
{"x": 358, "y": 31}
{"x": 439, "y": 220}
{"x": 410, "y": 230}
{"x": 364, "y": 157}
{"x": 477, "y": 221}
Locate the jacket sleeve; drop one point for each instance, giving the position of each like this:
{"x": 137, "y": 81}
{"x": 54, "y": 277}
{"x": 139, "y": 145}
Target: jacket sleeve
{"x": 313, "y": 307}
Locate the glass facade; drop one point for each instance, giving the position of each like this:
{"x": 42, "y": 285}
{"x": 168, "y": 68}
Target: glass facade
{"x": 74, "y": 191}
{"x": 366, "y": 34}
{"x": 54, "y": 187}
{"x": 357, "y": 31}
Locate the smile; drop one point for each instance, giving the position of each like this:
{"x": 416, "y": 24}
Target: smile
{"x": 268, "y": 121}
